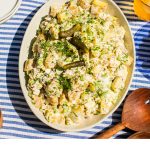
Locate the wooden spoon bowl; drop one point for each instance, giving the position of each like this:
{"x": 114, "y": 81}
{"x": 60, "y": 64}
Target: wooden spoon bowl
{"x": 140, "y": 135}
{"x": 135, "y": 115}
{"x": 136, "y": 111}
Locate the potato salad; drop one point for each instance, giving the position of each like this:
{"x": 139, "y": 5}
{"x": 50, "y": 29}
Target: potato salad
{"x": 78, "y": 64}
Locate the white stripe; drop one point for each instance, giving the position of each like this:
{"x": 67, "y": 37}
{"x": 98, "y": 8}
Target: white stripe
{"x": 11, "y": 31}
{"x": 131, "y": 17}
{"x": 142, "y": 47}
{"x": 8, "y": 73}
{"x": 28, "y": 8}
{"x": 15, "y": 102}
{"x": 140, "y": 37}
{"x": 138, "y": 23}
{"x": 13, "y": 46}
{"x": 11, "y": 36}
{"x": 132, "y": 89}
{"x": 8, "y": 62}
{"x": 140, "y": 73}
{"x": 30, "y": 12}
{"x": 9, "y": 67}
{"x": 21, "y": 121}
{"x": 9, "y": 41}
{"x": 10, "y": 57}
{"x": 8, "y": 78}
{"x": 14, "y": 26}
{"x": 7, "y": 51}
{"x": 21, "y": 17}
{"x": 146, "y": 29}
{"x": 32, "y": 3}
{"x": 130, "y": 8}
{"x": 20, "y": 114}
{"x": 134, "y": 27}
{"x": 145, "y": 63}
{"x": 13, "y": 96}
{"x": 144, "y": 58}
{"x": 142, "y": 79}
{"x": 128, "y": 12}
{"x": 141, "y": 84}
{"x": 124, "y": 2}
{"x": 18, "y": 21}
{"x": 145, "y": 43}
{"x": 8, "y": 136}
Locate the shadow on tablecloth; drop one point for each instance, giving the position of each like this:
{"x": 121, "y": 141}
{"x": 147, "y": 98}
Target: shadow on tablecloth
{"x": 143, "y": 52}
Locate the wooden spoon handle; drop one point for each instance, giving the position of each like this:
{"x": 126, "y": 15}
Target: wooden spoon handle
{"x": 110, "y": 132}
{"x": 1, "y": 120}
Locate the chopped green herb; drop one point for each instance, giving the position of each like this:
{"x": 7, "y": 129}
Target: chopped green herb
{"x": 64, "y": 48}
{"x": 82, "y": 78}
{"x": 65, "y": 83}
{"x": 45, "y": 44}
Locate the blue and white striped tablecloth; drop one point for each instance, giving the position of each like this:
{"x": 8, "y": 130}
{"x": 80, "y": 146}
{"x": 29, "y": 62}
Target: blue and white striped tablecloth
{"x": 19, "y": 121}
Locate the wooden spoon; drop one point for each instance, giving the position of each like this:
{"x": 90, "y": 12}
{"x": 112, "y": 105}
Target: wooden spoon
{"x": 140, "y": 135}
{"x": 135, "y": 115}
{"x": 1, "y": 119}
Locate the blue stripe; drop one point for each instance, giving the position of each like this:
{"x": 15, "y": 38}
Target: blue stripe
{"x": 12, "y": 93}
{"x": 21, "y": 112}
{"x": 8, "y": 43}
{"x": 6, "y": 54}
{"x": 12, "y": 99}
{"x": 140, "y": 81}
{"x": 21, "y": 136}
{"x": 123, "y": 4}
{"x": 10, "y": 65}
{"x": 9, "y": 81}
{"x": 28, "y": 10}
{"x": 9, "y": 87}
{"x": 8, "y": 71}
{"x": 15, "y": 105}
{"x": 11, "y": 28}
{"x": 25, "y": 14}
{"x": 32, "y": 118}
{"x": 10, "y": 59}
{"x": 11, "y": 49}
{"x": 141, "y": 50}
{"x": 142, "y": 70}
{"x": 21, "y": 19}
{"x": 141, "y": 40}
{"x": 16, "y": 23}
{"x": 138, "y": 86}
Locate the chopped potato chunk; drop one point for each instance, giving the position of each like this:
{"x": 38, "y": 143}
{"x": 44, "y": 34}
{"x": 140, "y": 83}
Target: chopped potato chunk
{"x": 53, "y": 12}
{"x": 85, "y": 4}
{"x": 117, "y": 84}
{"x": 28, "y": 65}
{"x": 61, "y": 17}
